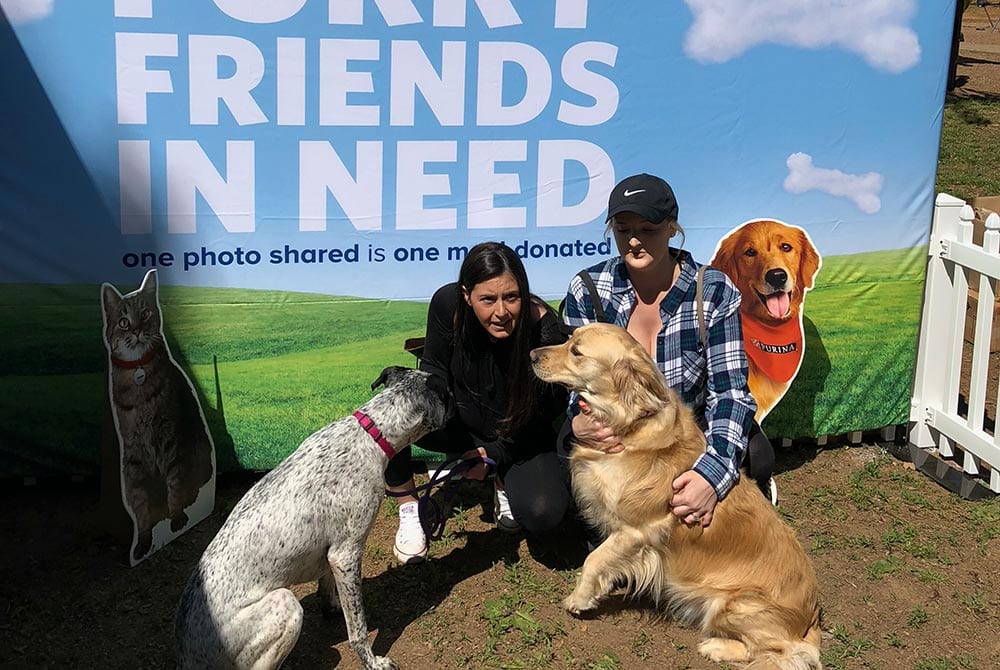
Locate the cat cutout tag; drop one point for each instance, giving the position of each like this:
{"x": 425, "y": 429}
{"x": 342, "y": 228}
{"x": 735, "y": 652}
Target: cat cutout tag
{"x": 166, "y": 456}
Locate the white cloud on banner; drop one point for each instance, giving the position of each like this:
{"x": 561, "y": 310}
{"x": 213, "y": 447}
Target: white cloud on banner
{"x": 875, "y": 29}
{"x": 862, "y": 190}
{"x": 25, "y": 11}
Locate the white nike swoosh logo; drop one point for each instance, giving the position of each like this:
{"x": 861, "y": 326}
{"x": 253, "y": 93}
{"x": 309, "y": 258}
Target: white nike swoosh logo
{"x": 628, "y": 193}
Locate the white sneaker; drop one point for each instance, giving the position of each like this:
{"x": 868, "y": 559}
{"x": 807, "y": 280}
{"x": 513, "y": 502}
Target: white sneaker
{"x": 501, "y": 512}
{"x": 411, "y": 544}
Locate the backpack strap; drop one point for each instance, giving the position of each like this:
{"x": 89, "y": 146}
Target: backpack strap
{"x": 588, "y": 283}
{"x": 699, "y": 292}
{"x": 595, "y": 298}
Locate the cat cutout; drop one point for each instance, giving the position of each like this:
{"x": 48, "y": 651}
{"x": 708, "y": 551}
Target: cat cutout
{"x": 167, "y": 453}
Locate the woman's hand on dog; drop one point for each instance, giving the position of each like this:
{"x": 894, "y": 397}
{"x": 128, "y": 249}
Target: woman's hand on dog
{"x": 588, "y": 429}
{"x": 694, "y": 499}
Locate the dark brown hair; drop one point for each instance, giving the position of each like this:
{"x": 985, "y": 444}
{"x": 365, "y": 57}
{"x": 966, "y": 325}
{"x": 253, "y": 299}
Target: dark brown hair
{"x": 484, "y": 262}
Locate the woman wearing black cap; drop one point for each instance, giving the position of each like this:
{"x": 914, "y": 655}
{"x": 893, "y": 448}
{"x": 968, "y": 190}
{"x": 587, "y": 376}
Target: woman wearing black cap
{"x": 650, "y": 290}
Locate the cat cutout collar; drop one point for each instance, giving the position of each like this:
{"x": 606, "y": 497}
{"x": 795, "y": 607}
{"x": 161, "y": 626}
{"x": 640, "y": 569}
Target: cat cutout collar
{"x": 140, "y": 374}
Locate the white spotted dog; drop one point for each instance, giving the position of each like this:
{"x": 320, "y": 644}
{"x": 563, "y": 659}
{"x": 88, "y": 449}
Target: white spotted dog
{"x": 306, "y": 520}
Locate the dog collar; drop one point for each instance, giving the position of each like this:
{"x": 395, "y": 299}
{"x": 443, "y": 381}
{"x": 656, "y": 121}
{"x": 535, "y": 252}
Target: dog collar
{"x": 369, "y": 425}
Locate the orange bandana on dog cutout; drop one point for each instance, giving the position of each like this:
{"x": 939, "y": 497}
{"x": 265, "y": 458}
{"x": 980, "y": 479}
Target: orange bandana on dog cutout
{"x": 777, "y": 350}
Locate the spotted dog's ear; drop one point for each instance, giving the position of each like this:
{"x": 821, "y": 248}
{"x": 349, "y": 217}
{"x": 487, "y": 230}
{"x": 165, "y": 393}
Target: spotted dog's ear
{"x": 439, "y": 387}
{"x": 389, "y": 376}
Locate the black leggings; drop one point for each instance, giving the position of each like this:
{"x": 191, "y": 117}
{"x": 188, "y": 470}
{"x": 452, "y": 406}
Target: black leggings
{"x": 538, "y": 497}
{"x": 759, "y": 459}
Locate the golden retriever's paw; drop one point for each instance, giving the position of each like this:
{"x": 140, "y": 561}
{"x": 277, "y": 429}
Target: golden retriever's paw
{"x": 576, "y": 603}
{"x": 723, "y": 650}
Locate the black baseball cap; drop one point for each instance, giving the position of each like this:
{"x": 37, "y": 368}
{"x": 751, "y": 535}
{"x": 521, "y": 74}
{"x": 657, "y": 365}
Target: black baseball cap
{"x": 648, "y": 196}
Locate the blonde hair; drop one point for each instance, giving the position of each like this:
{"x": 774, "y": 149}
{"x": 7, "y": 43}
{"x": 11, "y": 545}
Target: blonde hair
{"x": 675, "y": 228}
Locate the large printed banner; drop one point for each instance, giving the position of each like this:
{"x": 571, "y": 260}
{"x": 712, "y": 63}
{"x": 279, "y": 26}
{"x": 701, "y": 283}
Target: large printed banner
{"x": 303, "y": 174}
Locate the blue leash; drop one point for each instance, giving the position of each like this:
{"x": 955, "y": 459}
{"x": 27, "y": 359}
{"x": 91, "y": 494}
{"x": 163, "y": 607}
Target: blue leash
{"x": 449, "y": 473}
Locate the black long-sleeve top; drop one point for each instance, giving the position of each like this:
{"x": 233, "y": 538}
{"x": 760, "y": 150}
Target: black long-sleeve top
{"x": 478, "y": 377}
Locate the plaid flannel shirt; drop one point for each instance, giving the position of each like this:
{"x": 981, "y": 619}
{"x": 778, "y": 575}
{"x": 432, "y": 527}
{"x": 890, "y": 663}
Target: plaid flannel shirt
{"x": 712, "y": 382}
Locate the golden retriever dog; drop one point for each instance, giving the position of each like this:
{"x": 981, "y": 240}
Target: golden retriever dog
{"x": 773, "y": 264}
{"x": 744, "y": 581}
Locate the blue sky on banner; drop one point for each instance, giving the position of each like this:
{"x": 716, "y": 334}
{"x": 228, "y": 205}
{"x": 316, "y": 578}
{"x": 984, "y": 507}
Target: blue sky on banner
{"x": 235, "y": 141}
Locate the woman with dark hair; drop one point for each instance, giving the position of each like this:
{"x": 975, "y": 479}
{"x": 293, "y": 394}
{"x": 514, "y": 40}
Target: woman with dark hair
{"x": 480, "y": 330}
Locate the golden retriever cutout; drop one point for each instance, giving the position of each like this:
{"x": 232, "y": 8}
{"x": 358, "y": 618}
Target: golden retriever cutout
{"x": 773, "y": 264}
{"x": 745, "y": 581}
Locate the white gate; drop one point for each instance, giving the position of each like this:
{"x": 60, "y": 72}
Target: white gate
{"x": 951, "y": 421}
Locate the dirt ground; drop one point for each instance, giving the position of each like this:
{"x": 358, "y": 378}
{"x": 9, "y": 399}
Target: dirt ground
{"x": 978, "y": 71}
{"x": 908, "y": 571}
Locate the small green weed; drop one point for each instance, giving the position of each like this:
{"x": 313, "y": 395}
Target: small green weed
{"x": 844, "y": 647}
{"x": 918, "y": 617}
{"x": 930, "y": 576}
{"x": 883, "y": 567}
{"x": 640, "y": 645}
{"x": 609, "y": 661}
{"x": 975, "y": 601}
{"x": 375, "y": 552}
{"x": 940, "y": 663}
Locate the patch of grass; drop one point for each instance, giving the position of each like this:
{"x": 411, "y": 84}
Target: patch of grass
{"x": 844, "y": 647}
{"x": 884, "y": 566}
{"x": 894, "y": 641}
{"x": 984, "y": 519}
{"x": 975, "y": 602}
{"x": 915, "y": 499}
{"x": 375, "y": 552}
{"x": 904, "y": 536}
{"x": 968, "y": 163}
{"x": 939, "y": 663}
{"x": 930, "y": 576}
{"x": 862, "y": 490}
{"x": 828, "y": 501}
{"x": 609, "y": 661}
{"x": 820, "y": 542}
{"x": 918, "y": 617}
{"x": 860, "y": 541}
{"x": 517, "y": 635}
{"x": 640, "y": 645}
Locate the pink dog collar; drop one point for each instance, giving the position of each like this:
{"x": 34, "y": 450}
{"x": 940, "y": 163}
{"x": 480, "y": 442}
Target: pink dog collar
{"x": 370, "y": 428}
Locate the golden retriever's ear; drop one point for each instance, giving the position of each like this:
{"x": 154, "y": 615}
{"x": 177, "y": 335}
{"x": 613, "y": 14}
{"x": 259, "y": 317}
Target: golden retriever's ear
{"x": 808, "y": 261}
{"x": 640, "y": 386}
{"x": 723, "y": 259}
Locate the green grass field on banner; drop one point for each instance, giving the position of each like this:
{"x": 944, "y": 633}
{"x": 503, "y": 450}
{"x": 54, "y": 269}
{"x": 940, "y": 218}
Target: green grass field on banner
{"x": 288, "y": 363}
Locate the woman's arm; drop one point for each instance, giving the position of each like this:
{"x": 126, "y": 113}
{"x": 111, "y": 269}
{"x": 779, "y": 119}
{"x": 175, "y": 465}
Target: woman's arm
{"x": 729, "y": 406}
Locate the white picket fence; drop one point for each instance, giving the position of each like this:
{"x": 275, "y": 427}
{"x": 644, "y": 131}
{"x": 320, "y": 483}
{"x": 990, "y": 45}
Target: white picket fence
{"x": 938, "y": 425}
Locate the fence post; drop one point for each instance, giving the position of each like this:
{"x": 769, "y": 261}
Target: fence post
{"x": 935, "y": 321}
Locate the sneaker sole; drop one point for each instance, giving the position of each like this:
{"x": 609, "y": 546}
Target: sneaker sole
{"x": 409, "y": 559}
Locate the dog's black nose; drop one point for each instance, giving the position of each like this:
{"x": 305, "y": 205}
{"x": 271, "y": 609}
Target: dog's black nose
{"x": 776, "y": 277}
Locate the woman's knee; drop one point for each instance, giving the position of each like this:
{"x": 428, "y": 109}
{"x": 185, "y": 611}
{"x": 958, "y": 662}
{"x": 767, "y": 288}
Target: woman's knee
{"x": 400, "y": 468}
{"x": 540, "y": 513}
